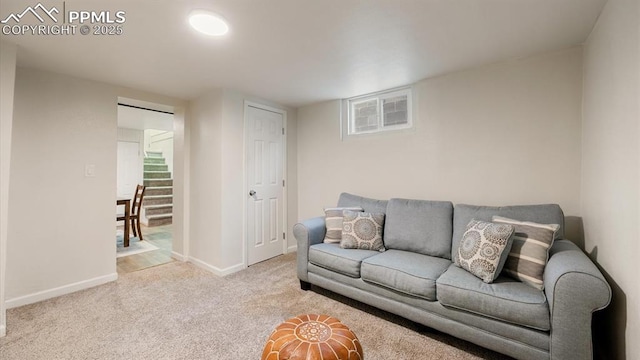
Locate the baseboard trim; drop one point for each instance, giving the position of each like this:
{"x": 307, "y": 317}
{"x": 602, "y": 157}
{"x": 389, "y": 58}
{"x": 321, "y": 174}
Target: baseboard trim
{"x": 291, "y": 249}
{"x": 216, "y": 270}
{"x": 59, "y": 291}
{"x": 178, "y": 256}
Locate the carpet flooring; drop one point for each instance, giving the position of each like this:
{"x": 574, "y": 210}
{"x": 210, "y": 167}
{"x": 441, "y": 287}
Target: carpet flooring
{"x": 178, "y": 311}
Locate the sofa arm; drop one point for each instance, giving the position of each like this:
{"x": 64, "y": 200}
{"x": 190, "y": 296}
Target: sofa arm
{"x": 575, "y": 288}
{"x": 307, "y": 233}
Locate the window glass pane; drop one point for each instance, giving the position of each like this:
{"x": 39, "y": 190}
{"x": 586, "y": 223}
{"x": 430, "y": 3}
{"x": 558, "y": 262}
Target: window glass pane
{"x": 365, "y": 115}
{"x": 394, "y": 111}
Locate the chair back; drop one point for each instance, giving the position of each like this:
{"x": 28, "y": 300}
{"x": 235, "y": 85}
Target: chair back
{"x": 136, "y": 204}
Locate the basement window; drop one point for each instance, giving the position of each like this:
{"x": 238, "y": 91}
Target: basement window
{"x": 382, "y": 111}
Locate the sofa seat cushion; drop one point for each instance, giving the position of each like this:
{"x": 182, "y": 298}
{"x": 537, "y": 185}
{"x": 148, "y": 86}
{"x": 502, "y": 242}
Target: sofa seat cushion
{"x": 505, "y": 299}
{"x": 406, "y": 272}
{"x": 334, "y": 258}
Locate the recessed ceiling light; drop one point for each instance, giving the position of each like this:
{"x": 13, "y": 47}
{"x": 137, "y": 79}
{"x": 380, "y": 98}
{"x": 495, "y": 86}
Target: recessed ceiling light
{"x": 208, "y": 23}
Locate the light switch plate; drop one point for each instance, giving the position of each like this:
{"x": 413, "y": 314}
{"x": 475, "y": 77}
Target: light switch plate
{"x": 90, "y": 170}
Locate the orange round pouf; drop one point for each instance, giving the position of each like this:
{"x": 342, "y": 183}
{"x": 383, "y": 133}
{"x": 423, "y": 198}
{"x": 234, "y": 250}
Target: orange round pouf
{"x": 310, "y": 337}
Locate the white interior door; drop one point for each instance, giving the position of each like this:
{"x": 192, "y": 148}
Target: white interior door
{"x": 265, "y": 184}
{"x": 129, "y": 168}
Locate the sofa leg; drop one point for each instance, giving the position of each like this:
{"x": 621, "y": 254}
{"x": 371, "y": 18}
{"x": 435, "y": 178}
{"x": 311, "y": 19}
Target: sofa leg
{"x": 305, "y": 285}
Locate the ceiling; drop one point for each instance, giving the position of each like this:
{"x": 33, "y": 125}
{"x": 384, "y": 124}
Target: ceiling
{"x": 297, "y": 52}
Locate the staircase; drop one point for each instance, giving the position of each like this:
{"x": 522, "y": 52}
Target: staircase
{"x": 158, "y": 196}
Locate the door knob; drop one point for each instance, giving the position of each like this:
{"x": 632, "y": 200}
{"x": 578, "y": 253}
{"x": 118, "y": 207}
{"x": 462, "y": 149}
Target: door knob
{"x": 252, "y": 192}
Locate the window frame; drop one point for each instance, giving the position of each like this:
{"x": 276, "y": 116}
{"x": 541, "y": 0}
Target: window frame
{"x": 379, "y": 96}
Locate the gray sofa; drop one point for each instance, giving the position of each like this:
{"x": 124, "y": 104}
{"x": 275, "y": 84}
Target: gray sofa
{"x": 506, "y": 316}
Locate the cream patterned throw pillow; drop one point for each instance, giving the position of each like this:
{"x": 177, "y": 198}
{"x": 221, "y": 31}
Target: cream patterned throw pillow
{"x": 484, "y": 248}
{"x": 530, "y": 251}
{"x": 333, "y": 221}
{"x": 362, "y": 230}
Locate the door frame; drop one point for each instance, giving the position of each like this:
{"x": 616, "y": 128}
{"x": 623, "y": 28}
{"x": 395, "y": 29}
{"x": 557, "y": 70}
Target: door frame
{"x": 245, "y": 187}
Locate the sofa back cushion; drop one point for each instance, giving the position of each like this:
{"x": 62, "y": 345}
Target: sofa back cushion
{"x": 544, "y": 214}
{"x": 368, "y": 205}
{"x": 419, "y": 226}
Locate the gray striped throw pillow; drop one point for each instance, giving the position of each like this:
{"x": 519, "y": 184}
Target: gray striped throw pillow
{"x": 333, "y": 221}
{"x": 530, "y": 250}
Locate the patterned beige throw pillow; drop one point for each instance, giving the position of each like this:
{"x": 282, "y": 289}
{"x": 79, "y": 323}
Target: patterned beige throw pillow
{"x": 530, "y": 251}
{"x": 362, "y": 230}
{"x": 484, "y": 248}
{"x": 333, "y": 220}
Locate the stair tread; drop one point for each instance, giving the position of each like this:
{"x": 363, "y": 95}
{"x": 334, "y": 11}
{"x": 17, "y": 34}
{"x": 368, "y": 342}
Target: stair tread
{"x": 149, "y": 181}
{"x": 157, "y": 196}
{"x": 157, "y": 206}
{"x": 152, "y": 192}
{"x": 159, "y": 216}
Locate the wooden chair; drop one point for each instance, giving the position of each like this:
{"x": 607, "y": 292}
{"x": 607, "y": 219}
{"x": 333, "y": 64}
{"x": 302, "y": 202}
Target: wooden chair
{"x": 136, "y": 206}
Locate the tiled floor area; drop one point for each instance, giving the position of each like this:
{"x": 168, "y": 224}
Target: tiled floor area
{"x": 161, "y": 237}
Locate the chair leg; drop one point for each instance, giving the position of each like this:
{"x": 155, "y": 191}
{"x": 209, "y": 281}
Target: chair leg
{"x": 139, "y": 230}
{"x": 133, "y": 227}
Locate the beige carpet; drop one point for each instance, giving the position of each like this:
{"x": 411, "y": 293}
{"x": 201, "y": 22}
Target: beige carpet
{"x": 177, "y": 311}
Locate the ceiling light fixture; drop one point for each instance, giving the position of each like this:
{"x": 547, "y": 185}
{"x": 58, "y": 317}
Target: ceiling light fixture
{"x": 208, "y": 23}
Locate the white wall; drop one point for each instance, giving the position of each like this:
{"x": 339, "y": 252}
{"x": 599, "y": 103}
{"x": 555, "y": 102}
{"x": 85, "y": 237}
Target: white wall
{"x": 217, "y": 179}
{"x": 204, "y": 115}
{"x": 233, "y": 190}
{"x": 7, "y": 84}
{"x": 508, "y": 133}
{"x": 131, "y": 135}
{"x": 181, "y": 173}
{"x": 61, "y": 223}
{"x": 292, "y": 176}
{"x": 610, "y": 170}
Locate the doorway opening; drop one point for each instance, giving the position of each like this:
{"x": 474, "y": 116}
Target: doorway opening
{"x": 145, "y": 157}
